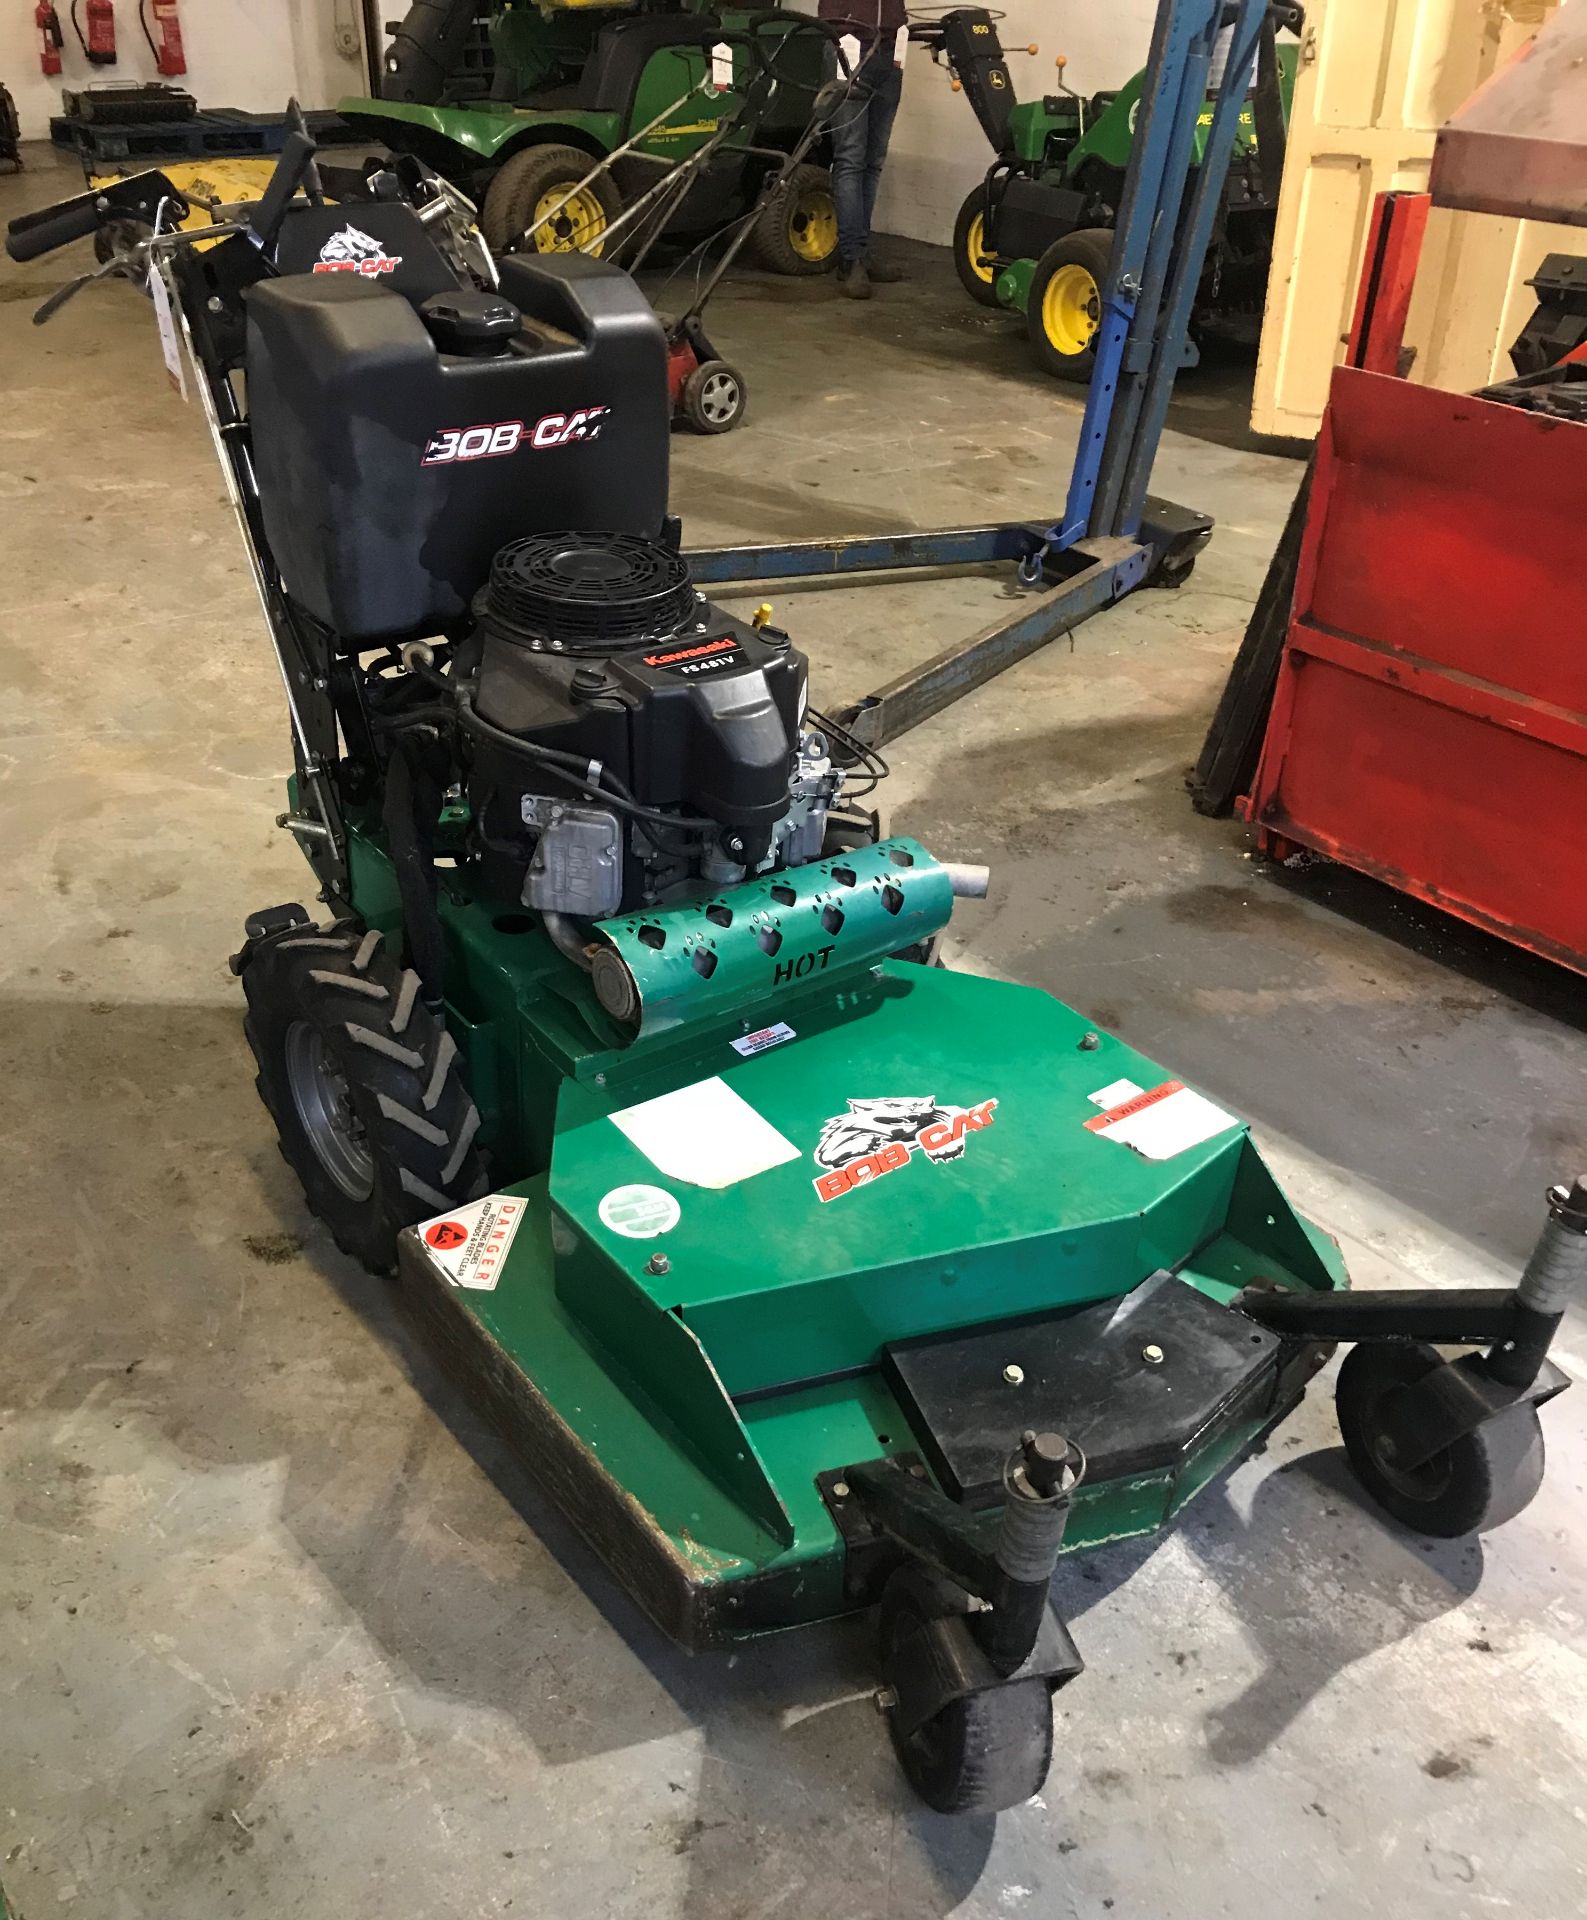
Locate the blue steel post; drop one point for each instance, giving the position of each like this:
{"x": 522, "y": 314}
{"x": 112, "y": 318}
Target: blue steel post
{"x": 1141, "y": 207}
{"x": 1205, "y": 200}
{"x": 1151, "y": 336}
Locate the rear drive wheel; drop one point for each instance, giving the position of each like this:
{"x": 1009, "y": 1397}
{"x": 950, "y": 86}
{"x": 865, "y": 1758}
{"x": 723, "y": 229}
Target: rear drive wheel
{"x": 364, "y": 1085}
{"x": 531, "y": 185}
{"x": 1065, "y": 309}
{"x": 977, "y": 273}
{"x": 797, "y": 231}
{"x": 984, "y": 1751}
{"x": 1485, "y": 1478}
{"x": 714, "y": 397}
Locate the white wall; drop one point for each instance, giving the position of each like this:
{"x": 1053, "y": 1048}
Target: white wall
{"x": 240, "y": 53}
{"x": 939, "y": 151}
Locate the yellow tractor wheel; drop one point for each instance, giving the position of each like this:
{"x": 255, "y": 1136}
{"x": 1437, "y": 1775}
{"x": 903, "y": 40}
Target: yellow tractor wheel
{"x": 1064, "y": 313}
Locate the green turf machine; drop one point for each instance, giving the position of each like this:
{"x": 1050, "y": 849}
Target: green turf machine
{"x": 809, "y": 1274}
{"x": 1035, "y": 236}
{"x": 516, "y": 101}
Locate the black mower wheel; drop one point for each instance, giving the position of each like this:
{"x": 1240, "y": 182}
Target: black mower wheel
{"x": 714, "y": 397}
{"x": 977, "y": 274}
{"x": 529, "y": 184}
{"x": 1481, "y": 1481}
{"x": 983, "y": 1752}
{"x": 797, "y": 231}
{"x": 364, "y": 1086}
{"x": 1065, "y": 307}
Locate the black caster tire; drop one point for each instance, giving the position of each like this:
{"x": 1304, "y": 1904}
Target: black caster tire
{"x": 364, "y": 1085}
{"x": 714, "y": 397}
{"x": 1064, "y": 311}
{"x": 977, "y": 272}
{"x": 796, "y": 231}
{"x": 1484, "y": 1479}
{"x": 982, "y": 1753}
{"x": 532, "y": 181}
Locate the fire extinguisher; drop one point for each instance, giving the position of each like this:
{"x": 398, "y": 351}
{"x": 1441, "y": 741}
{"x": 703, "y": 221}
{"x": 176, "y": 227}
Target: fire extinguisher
{"x": 100, "y": 43}
{"x": 167, "y": 49}
{"x": 51, "y": 39}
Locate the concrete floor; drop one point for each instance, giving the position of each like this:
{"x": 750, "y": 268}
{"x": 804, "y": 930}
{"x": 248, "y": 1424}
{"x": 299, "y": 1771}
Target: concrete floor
{"x": 286, "y": 1632}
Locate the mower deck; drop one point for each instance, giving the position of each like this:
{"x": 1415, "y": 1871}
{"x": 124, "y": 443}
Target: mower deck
{"x": 681, "y": 1393}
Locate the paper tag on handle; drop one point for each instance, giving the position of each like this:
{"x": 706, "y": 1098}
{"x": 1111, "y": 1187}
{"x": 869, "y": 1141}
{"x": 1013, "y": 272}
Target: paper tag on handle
{"x": 722, "y": 67}
{"x": 900, "y": 46}
{"x": 165, "y": 320}
{"x": 850, "y": 43}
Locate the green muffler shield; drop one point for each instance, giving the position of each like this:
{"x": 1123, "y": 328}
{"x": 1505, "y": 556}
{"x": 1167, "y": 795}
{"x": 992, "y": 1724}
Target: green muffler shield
{"x": 685, "y": 965}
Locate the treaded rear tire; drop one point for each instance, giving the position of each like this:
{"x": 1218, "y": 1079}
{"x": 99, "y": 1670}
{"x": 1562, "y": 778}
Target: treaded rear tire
{"x": 402, "y": 1077}
{"x": 521, "y": 180}
{"x": 982, "y": 291}
{"x": 1090, "y": 248}
{"x": 772, "y": 241}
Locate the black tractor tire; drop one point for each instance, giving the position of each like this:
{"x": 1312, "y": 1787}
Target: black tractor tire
{"x": 797, "y": 230}
{"x": 1484, "y": 1479}
{"x": 714, "y": 397}
{"x": 978, "y": 281}
{"x": 982, "y": 1753}
{"x": 524, "y": 179}
{"x": 1064, "y": 342}
{"x": 364, "y": 1085}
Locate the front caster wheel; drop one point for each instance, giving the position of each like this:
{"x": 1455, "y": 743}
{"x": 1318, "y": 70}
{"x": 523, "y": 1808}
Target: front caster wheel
{"x": 364, "y": 1085}
{"x": 1485, "y": 1478}
{"x": 984, "y": 1751}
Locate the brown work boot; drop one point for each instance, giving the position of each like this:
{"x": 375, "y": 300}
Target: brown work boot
{"x": 853, "y": 280}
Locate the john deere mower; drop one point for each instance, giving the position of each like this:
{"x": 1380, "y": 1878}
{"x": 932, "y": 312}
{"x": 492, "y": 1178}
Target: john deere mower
{"x": 514, "y": 110}
{"x": 1035, "y": 236}
{"x": 809, "y": 1274}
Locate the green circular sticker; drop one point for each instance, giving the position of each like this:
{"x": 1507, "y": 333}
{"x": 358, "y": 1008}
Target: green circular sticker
{"x": 640, "y": 1213}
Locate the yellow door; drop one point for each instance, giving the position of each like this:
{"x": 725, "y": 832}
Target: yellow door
{"x": 1376, "y": 80}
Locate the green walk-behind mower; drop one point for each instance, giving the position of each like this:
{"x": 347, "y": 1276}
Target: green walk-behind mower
{"x": 517, "y": 121}
{"x": 1035, "y": 236}
{"x": 808, "y": 1274}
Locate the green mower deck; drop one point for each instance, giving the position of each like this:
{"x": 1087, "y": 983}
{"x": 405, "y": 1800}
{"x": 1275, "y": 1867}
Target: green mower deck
{"x": 681, "y": 1354}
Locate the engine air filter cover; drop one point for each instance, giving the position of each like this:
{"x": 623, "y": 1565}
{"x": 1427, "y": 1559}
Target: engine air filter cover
{"x": 590, "y": 592}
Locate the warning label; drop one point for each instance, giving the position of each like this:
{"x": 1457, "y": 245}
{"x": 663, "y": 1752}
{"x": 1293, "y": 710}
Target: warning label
{"x": 469, "y": 1245}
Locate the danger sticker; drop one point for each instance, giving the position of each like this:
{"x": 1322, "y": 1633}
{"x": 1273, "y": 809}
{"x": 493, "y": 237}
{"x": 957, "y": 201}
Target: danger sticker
{"x": 749, "y": 1044}
{"x": 879, "y": 1136}
{"x": 1163, "y": 1121}
{"x": 469, "y": 1245}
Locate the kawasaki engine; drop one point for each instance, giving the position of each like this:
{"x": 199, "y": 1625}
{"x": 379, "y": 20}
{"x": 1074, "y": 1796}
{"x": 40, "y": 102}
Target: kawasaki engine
{"x": 629, "y": 739}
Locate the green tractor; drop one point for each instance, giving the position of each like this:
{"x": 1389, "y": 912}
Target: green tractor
{"x": 1036, "y": 235}
{"x": 517, "y": 102}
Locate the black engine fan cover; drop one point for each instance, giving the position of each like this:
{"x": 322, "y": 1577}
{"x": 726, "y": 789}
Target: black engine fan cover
{"x": 598, "y": 645}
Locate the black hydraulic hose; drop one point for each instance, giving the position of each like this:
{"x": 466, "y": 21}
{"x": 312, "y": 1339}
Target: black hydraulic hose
{"x": 411, "y": 808}
{"x": 575, "y": 771}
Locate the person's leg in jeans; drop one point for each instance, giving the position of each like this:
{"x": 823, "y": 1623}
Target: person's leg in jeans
{"x": 849, "y": 160}
{"x": 883, "y": 111}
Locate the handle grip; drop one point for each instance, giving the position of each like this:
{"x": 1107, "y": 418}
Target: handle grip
{"x": 32, "y": 234}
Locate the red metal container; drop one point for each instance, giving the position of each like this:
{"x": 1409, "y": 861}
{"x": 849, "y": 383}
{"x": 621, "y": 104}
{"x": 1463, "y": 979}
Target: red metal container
{"x": 1429, "y": 724}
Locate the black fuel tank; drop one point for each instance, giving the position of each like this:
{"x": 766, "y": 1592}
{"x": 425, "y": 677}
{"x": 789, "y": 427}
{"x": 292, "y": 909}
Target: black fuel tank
{"x": 391, "y": 469}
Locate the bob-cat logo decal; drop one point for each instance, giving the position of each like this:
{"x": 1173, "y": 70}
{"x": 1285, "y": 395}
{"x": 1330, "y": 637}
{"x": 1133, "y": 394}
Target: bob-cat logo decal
{"x": 351, "y": 251}
{"x": 490, "y": 441}
{"x": 878, "y": 1136}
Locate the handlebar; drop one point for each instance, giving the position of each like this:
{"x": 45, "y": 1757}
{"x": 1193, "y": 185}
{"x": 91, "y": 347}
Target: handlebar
{"x": 32, "y": 234}
{"x": 138, "y": 197}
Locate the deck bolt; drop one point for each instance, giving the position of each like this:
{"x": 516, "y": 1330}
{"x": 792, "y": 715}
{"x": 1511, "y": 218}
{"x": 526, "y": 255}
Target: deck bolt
{"x": 1013, "y": 1375}
{"x": 918, "y": 1471}
{"x": 1152, "y": 1354}
{"x": 658, "y": 1263}
{"x": 1089, "y": 1042}
{"x": 885, "y": 1699}
{"x": 840, "y": 1489}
